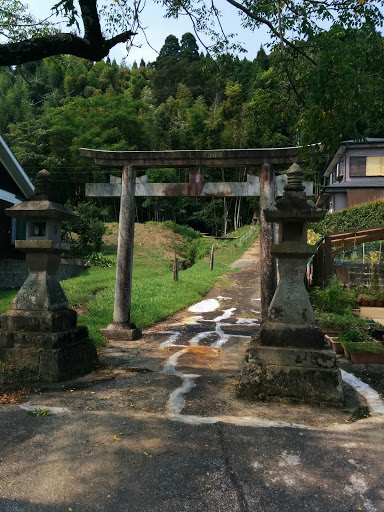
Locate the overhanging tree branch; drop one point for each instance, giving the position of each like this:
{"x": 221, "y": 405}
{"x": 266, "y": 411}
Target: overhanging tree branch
{"x": 92, "y": 46}
{"x": 289, "y": 75}
{"x": 56, "y": 44}
{"x": 265, "y": 21}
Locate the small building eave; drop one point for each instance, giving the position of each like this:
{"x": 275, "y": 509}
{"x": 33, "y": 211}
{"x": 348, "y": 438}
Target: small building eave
{"x": 348, "y": 185}
{"x": 14, "y": 169}
{"x": 9, "y": 197}
{"x": 370, "y": 142}
{"x": 335, "y": 160}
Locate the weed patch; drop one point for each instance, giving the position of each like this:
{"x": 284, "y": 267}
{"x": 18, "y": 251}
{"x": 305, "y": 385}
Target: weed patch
{"x": 38, "y": 413}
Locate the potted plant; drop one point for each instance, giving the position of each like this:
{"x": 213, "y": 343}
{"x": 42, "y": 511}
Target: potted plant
{"x": 363, "y": 299}
{"x": 379, "y": 300}
{"x": 332, "y": 323}
{"x": 337, "y": 346}
{"x": 377, "y": 331}
{"x": 329, "y": 323}
{"x": 353, "y": 334}
{"x": 368, "y": 352}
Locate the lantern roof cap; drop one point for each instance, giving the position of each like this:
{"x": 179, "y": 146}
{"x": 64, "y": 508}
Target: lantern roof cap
{"x": 42, "y": 210}
{"x": 41, "y": 207}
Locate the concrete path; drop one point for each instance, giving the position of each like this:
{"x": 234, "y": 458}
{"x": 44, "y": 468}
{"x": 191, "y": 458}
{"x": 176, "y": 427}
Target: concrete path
{"x": 376, "y": 314}
{"x": 159, "y": 428}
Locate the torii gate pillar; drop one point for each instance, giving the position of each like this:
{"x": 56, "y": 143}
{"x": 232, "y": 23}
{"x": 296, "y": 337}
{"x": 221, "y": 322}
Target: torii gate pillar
{"x": 268, "y": 271}
{"x": 122, "y": 328}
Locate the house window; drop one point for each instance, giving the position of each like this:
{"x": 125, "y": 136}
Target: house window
{"x": 375, "y": 166}
{"x": 357, "y": 166}
{"x": 366, "y": 166}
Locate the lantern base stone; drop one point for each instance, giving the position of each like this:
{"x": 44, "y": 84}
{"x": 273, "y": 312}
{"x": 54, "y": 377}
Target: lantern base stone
{"x": 291, "y": 375}
{"x": 52, "y": 356}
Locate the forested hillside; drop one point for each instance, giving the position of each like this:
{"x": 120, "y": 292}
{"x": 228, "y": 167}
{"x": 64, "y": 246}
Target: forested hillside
{"x": 189, "y": 100}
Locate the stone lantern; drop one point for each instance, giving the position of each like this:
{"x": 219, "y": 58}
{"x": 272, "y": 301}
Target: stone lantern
{"x": 289, "y": 359}
{"x": 40, "y": 332}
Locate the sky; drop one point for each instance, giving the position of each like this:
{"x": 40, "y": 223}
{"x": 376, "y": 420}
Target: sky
{"x": 158, "y": 28}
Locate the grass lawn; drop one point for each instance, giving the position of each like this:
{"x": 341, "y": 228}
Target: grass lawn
{"x": 154, "y": 293}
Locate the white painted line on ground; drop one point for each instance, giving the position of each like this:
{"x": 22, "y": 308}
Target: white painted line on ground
{"x": 196, "y": 339}
{"x": 227, "y": 313}
{"x": 176, "y": 402}
{"x": 238, "y": 335}
{"x": 170, "y": 342}
{"x": 375, "y": 403}
{"x": 222, "y": 339}
{"x": 205, "y": 306}
{"x": 224, "y": 298}
{"x": 232, "y": 420}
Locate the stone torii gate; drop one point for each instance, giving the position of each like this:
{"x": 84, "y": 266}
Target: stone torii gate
{"x": 267, "y": 187}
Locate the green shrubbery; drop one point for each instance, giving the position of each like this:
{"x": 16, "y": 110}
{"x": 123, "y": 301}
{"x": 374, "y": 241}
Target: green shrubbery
{"x": 184, "y": 231}
{"x": 97, "y": 259}
{"x": 194, "y": 246}
{"x": 363, "y": 346}
{"x": 355, "y": 334}
{"x": 85, "y": 235}
{"x": 366, "y": 215}
{"x": 333, "y": 321}
{"x": 334, "y": 298}
{"x": 333, "y": 313}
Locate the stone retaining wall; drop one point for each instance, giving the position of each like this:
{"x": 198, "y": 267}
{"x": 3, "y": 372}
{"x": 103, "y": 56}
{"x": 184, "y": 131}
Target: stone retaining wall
{"x": 13, "y": 273}
{"x": 358, "y": 274}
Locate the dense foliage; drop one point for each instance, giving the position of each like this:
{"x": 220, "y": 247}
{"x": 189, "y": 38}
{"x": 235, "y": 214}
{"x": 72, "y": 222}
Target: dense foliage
{"x": 365, "y": 215}
{"x": 97, "y": 26}
{"x": 85, "y": 234}
{"x": 188, "y": 100}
